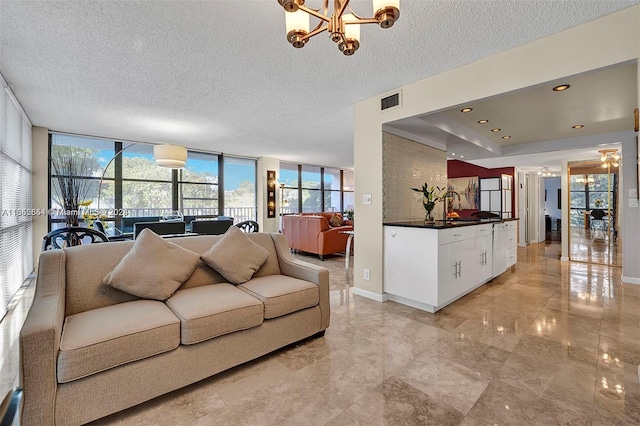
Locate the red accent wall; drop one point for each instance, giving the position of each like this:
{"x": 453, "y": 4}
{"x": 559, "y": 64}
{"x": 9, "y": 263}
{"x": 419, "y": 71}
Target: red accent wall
{"x": 458, "y": 169}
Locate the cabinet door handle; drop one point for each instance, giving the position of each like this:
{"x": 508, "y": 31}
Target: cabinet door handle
{"x": 455, "y": 270}
{"x": 459, "y": 268}
{"x": 457, "y": 235}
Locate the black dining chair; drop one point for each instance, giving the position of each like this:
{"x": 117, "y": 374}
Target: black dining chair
{"x": 210, "y": 227}
{"x": 249, "y": 226}
{"x": 72, "y": 236}
{"x": 161, "y": 228}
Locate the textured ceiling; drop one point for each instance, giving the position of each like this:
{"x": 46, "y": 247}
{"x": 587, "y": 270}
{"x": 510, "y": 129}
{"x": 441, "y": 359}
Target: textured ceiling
{"x": 220, "y": 76}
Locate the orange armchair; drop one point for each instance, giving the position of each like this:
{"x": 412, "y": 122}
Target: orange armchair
{"x": 312, "y": 233}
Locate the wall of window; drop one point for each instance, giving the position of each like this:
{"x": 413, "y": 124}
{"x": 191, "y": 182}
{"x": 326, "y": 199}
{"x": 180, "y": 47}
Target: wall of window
{"x": 16, "y": 212}
{"x": 310, "y": 189}
{"x": 591, "y": 191}
{"x": 131, "y": 185}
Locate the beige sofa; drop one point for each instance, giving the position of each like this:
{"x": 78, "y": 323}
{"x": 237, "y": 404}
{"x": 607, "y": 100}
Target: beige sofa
{"x": 88, "y": 350}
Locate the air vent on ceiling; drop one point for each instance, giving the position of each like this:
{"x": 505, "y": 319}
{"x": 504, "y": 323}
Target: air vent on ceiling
{"x": 390, "y": 101}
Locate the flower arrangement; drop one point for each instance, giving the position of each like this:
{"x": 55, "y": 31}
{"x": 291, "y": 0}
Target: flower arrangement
{"x": 431, "y": 195}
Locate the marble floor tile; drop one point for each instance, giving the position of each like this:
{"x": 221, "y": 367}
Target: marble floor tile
{"x": 387, "y": 353}
{"x": 286, "y": 402}
{"x": 341, "y": 378}
{"x": 477, "y": 356}
{"x": 503, "y": 404}
{"x": 446, "y": 381}
{"x": 496, "y": 328}
{"x": 395, "y": 402}
{"x": 545, "y": 343}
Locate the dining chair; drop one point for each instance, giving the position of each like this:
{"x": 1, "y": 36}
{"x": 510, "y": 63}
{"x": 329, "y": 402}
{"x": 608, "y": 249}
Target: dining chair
{"x": 72, "y": 236}
{"x": 210, "y": 227}
{"x": 160, "y": 228}
{"x": 249, "y": 226}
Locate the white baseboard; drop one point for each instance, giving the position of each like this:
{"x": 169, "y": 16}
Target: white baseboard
{"x": 564, "y": 259}
{"x": 631, "y": 280}
{"x": 370, "y": 295}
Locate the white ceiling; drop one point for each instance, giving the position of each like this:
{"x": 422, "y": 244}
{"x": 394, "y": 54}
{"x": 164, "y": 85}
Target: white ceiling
{"x": 220, "y": 76}
{"x": 538, "y": 120}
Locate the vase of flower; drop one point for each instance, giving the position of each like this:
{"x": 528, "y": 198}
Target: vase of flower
{"x": 431, "y": 196}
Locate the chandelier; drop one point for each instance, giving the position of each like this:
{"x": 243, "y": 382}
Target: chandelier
{"x": 343, "y": 29}
{"x": 609, "y": 157}
{"x": 546, "y": 173}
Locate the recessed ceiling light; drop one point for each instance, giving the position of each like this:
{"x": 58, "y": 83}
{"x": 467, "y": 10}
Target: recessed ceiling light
{"x": 466, "y": 109}
{"x": 578, "y": 126}
{"x": 495, "y": 130}
{"x": 462, "y": 156}
{"x": 561, "y": 88}
{"x": 483, "y": 121}
{"x": 453, "y": 153}
{"x": 506, "y": 137}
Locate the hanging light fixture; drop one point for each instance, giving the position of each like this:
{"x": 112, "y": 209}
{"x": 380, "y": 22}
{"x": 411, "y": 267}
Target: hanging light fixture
{"x": 609, "y": 157}
{"x": 171, "y": 156}
{"x": 545, "y": 172}
{"x": 343, "y": 29}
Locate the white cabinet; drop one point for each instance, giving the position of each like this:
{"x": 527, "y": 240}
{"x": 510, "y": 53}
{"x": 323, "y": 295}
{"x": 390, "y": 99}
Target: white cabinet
{"x": 429, "y": 268}
{"x": 456, "y": 265}
{"x": 505, "y": 246}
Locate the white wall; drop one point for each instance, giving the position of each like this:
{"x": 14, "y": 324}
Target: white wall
{"x": 609, "y": 40}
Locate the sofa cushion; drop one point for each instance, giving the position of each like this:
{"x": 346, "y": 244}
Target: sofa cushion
{"x": 154, "y": 268}
{"x": 213, "y": 310}
{"x": 235, "y": 256}
{"x": 281, "y": 294}
{"x": 104, "y": 338}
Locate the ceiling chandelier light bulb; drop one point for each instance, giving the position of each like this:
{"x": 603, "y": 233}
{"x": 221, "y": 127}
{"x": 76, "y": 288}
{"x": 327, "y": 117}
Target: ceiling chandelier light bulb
{"x": 616, "y": 156}
{"x": 351, "y": 41}
{"x": 603, "y": 157}
{"x": 297, "y": 24}
{"x": 386, "y": 13}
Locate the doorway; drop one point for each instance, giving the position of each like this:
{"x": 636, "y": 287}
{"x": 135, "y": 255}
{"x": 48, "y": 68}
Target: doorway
{"x": 593, "y": 213}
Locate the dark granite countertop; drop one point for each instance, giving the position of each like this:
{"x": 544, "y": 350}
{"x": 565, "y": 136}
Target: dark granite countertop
{"x": 445, "y": 224}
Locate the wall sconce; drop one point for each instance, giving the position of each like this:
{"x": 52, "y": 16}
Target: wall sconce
{"x": 271, "y": 194}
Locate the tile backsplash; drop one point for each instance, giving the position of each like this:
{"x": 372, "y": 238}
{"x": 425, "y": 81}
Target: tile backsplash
{"x": 408, "y": 164}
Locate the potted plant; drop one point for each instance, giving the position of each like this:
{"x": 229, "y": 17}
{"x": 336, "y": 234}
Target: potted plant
{"x": 431, "y": 196}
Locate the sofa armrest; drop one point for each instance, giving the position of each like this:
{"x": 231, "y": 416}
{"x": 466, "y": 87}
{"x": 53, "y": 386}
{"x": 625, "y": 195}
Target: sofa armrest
{"x": 40, "y": 341}
{"x": 293, "y": 267}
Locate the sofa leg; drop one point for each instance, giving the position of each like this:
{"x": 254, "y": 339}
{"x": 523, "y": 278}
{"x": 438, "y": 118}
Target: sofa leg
{"x": 319, "y": 334}
{"x": 321, "y": 257}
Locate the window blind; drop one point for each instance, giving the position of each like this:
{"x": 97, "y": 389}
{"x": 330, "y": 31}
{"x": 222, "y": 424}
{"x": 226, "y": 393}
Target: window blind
{"x": 16, "y": 254}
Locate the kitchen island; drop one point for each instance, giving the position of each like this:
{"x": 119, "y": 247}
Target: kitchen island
{"x": 428, "y": 266}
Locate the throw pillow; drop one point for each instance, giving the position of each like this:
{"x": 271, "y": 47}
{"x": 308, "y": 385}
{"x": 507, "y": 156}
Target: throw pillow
{"x": 235, "y": 256}
{"x": 154, "y": 268}
{"x": 336, "y": 220}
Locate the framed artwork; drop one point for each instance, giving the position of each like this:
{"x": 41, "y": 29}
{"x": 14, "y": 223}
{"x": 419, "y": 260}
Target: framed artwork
{"x": 469, "y": 192}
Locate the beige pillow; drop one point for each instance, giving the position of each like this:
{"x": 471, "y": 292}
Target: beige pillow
{"x": 235, "y": 256}
{"x": 154, "y": 268}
